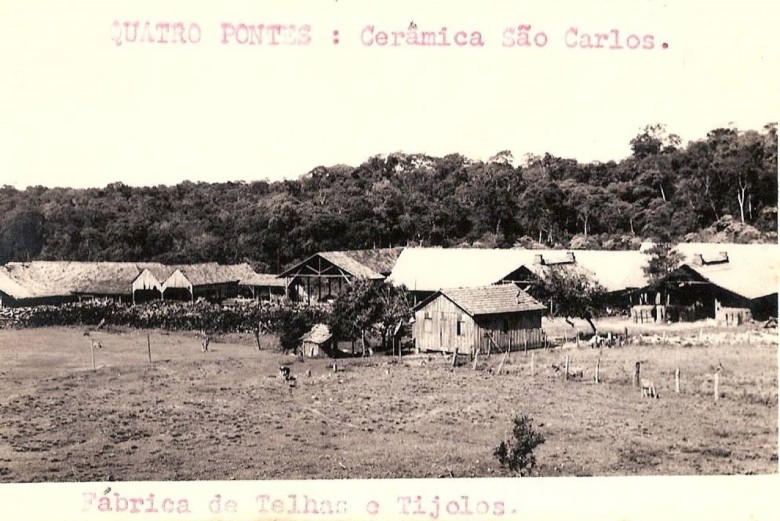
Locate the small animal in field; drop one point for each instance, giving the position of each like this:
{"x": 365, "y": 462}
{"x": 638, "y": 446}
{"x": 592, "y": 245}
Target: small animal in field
{"x": 205, "y": 344}
{"x": 96, "y": 344}
{"x": 284, "y": 373}
{"x": 648, "y": 388}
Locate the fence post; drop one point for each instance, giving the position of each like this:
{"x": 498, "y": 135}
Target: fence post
{"x": 636, "y": 374}
{"x": 149, "y": 347}
{"x": 92, "y": 349}
{"x": 455, "y": 357}
{"x": 677, "y": 380}
{"x": 598, "y": 367}
{"x": 566, "y": 372}
{"x": 717, "y": 386}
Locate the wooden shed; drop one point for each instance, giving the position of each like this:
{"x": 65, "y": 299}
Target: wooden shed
{"x": 318, "y": 342}
{"x": 481, "y": 319}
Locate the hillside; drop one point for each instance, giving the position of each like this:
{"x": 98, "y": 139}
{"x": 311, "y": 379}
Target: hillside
{"x": 721, "y": 187}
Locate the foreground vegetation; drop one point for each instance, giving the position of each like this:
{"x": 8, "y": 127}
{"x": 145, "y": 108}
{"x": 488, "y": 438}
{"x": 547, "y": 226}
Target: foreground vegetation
{"x": 376, "y": 417}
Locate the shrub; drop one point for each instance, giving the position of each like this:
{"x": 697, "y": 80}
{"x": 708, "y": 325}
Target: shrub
{"x": 517, "y": 453}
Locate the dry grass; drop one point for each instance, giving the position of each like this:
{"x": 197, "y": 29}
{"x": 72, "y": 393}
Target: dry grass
{"x": 226, "y": 415}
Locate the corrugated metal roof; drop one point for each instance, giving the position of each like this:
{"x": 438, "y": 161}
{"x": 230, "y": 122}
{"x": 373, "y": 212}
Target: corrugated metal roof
{"x": 493, "y": 299}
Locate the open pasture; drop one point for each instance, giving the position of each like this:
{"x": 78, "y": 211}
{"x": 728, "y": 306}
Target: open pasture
{"x": 225, "y": 414}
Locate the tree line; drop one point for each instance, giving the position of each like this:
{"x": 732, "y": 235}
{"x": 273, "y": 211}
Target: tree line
{"x": 663, "y": 190}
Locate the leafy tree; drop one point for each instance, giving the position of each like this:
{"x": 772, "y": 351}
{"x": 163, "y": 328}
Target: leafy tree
{"x": 664, "y": 259}
{"x": 569, "y": 293}
{"x": 368, "y": 305}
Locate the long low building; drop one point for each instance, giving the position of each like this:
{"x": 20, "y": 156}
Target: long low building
{"x": 424, "y": 271}
{"x": 56, "y": 282}
{"x": 716, "y": 278}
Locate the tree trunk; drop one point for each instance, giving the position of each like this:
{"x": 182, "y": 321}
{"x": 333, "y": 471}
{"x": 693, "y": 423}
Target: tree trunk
{"x": 741, "y": 201}
{"x": 363, "y": 340}
{"x": 589, "y": 320}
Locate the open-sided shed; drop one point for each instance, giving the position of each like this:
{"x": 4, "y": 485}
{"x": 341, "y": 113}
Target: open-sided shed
{"x": 323, "y": 276}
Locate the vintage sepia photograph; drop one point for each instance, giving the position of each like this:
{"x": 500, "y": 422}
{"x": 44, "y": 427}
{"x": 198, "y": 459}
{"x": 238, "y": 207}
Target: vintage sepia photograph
{"x": 374, "y": 240}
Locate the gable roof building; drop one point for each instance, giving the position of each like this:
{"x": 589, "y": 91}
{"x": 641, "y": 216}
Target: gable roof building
{"x": 37, "y": 282}
{"x": 469, "y": 320}
{"x": 324, "y": 275}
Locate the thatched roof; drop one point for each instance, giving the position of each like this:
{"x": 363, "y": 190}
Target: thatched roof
{"x": 38, "y": 279}
{"x": 488, "y": 300}
{"x": 318, "y": 334}
{"x": 263, "y": 279}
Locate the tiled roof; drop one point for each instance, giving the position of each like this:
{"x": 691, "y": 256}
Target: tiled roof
{"x": 488, "y": 300}
{"x": 263, "y": 279}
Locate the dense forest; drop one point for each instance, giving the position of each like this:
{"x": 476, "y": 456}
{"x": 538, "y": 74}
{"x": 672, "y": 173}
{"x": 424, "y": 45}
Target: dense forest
{"x": 662, "y": 190}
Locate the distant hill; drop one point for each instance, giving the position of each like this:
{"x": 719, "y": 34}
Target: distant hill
{"x": 722, "y": 187}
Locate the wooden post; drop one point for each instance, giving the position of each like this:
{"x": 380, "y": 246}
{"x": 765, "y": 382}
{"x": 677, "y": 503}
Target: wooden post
{"x": 532, "y": 364}
{"x": 625, "y": 332}
{"x": 149, "y": 347}
{"x": 566, "y": 372}
{"x": 578, "y": 339}
{"x": 455, "y": 357}
{"x": 598, "y": 367}
{"x": 664, "y": 338}
{"x": 636, "y": 375}
{"x": 501, "y": 365}
{"x": 677, "y": 380}
{"x": 257, "y": 336}
{"x": 565, "y": 338}
{"x": 717, "y": 386}
{"x": 92, "y": 349}
{"x": 525, "y": 342}
{"x": 476, "y": 355}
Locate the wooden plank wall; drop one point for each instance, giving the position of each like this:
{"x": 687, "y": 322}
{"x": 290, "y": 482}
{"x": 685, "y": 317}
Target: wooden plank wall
{"x": 435, "y": 329}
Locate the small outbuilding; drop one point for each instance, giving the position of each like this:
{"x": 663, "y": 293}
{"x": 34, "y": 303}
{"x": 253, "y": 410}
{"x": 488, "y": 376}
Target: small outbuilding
{"x": 482, "y": 319}
{"x": 318, "y": 342}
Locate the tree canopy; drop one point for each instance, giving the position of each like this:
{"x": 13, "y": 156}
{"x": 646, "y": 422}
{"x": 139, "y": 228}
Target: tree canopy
{"x": 662, "y": 189}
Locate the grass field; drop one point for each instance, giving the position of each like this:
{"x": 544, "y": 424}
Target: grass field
{"x": 226, "y": 415}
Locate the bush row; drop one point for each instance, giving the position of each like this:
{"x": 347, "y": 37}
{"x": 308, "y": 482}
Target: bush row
{"x": 289, "y": 321}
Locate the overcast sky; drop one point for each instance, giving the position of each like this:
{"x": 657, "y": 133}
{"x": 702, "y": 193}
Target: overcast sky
{"x": 78, "y": 110}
